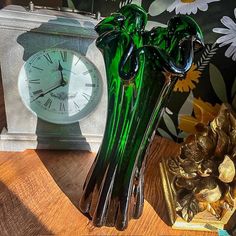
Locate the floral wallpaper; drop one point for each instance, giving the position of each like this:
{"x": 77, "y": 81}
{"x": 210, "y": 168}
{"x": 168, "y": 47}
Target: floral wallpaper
{"x": 211, "y": 79}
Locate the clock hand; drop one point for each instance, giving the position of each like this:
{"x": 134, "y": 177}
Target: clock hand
{"x": 43, "y": 93}
{"x": 63, "y": 81}
{"x": 69, "y": 71}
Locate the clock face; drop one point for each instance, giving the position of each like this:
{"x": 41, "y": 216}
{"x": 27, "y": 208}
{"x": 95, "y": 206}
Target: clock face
{"x": 60, "y": 86}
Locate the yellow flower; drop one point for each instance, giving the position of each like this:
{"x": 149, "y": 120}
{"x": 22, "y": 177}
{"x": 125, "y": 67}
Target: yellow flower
{"x": 188, "y": 82}
{"x": 187, "y": 124}
{"x": 187, "y": 1}
{"x": 204, "y": 112}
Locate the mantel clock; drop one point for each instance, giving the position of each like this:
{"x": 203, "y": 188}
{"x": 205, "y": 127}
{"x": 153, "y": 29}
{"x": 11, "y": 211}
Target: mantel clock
{"x": 53, "y": 80}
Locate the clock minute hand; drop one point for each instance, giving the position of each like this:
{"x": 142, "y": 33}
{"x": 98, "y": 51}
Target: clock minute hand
{"x": 43, "y": 93}
{"x": 69, "y": 71}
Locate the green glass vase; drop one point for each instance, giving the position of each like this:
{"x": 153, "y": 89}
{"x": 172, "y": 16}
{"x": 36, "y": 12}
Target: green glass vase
{"x": 142, "y": 68}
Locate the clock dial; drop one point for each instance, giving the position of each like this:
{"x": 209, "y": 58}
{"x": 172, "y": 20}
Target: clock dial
{"x": 59, "y": 85}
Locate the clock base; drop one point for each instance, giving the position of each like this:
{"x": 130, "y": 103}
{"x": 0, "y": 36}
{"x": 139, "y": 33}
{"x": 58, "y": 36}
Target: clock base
{"x": 19, "y": 142}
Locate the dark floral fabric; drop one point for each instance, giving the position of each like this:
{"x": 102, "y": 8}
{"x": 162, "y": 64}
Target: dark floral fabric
{"x": 211, "y": 79}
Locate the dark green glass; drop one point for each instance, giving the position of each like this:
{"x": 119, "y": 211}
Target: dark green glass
{"x": 142, "y": 68}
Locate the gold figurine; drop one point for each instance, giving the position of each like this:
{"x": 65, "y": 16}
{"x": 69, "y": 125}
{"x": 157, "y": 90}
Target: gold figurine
{"x": 200, "y": 182}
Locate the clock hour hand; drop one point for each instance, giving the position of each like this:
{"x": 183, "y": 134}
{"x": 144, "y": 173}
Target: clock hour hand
{"x": 63, "y": 81}
{"x": 43, "y": 93}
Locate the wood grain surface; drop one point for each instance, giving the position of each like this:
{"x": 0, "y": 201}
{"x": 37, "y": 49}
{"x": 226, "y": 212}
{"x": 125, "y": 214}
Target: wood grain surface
{"x": 39, "y": 193}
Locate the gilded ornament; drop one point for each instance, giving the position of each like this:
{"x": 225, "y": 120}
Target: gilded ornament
{"x": 226, "y": 170}
{"x": 203, "y": 176}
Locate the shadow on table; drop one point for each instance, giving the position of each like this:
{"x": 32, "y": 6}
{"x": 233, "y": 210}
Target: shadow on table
{"x": 69, "y": 170}
{"x": 161, "y": 148}
{"x": 16, "y": 218}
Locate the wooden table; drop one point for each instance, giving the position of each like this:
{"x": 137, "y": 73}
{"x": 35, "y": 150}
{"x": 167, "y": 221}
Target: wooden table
{"x": 39, "y": 193}
{"x": 40, "y": 190}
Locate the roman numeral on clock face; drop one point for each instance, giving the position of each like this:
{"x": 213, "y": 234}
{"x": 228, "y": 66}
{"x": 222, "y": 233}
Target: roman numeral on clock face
{"x": 63, "y": 55}
{"x": 76, "y": 106}
{"x": 86, "y": 96}
{"x": 90, "y": 85}
{"x": 77, "y": 61}
{"x": 34, "y": 81}
{"x": 62, "y": 106}
{"x": 37, "y": 68}
{"x": 48, "y": 58}
{"x": 87, "y": 72}
{"x": 48, "y": 103}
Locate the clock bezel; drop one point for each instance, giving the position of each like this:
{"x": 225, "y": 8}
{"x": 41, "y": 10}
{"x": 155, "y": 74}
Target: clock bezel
{"x": 74, "y": 118}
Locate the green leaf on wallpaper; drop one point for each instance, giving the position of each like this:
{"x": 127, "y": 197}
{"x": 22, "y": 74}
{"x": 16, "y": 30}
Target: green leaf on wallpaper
{"x": 233, "y": 90}
{"x": 234, "y": 103}
{"x": 187, "y": 107}
{"x": 164, "y": 134}
{"x": 169, "y": 124}
{"x": 182, "y": 135}
{"x": 70, "y": 4}
{"x": 159, "y": 6}
{"x": 217, "y": 82}
{"x": 168, "y": 111}
{"x": 137, "y": 2}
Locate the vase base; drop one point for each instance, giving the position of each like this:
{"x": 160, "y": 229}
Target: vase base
{"x": 104, "y": 206}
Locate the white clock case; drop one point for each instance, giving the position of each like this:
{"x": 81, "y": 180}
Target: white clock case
{"x": 23, "y": 33}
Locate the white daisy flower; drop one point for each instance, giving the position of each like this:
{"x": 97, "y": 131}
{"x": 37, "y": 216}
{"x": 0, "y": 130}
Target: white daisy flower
{"x": 229, "y": 36}
{"x": 189, "y": 6}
